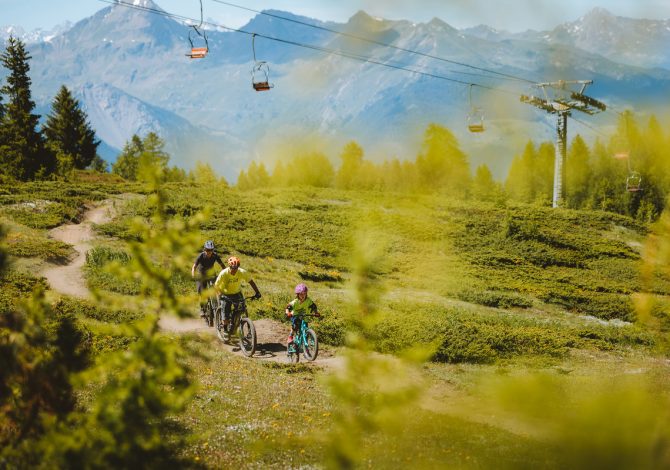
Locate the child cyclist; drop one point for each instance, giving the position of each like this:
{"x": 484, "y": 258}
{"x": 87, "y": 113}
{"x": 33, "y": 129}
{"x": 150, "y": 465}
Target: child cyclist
{"x": 300, "y": 305}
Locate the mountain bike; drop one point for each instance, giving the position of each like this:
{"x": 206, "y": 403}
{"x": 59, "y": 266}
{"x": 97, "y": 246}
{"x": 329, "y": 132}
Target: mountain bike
{"x": 239, "y": 322}
{"x": 211, "y": 305}
{"x": 304, "y": 341}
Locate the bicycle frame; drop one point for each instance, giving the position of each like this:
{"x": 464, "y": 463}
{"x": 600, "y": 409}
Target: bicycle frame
{"x": 238, "y": 322}
{"x": 237, "y": 309}
{"x": 301, "y": 343}
{"x": 300, "y": 338}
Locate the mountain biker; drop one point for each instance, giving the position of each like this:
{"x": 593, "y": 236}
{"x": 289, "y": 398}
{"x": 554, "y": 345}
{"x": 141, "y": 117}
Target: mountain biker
{"x": 300, "y": 305}
{"x": 228, "y": 285}
{"x": 204, "y": 264}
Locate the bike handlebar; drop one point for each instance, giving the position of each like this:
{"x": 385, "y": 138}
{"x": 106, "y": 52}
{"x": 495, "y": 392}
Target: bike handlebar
{"x": 252, "y": 297}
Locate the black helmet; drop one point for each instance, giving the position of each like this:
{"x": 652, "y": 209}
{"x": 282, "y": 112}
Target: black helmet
{"x": 209, "y": 245}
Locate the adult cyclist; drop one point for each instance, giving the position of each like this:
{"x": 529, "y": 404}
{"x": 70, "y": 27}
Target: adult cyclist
{"x": 228, "y": 284}
{"x": 204, "y": 265}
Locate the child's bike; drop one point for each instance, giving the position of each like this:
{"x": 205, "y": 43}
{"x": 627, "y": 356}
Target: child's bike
{"x": 304, "y": 341}
{"x": 239, "y": 322}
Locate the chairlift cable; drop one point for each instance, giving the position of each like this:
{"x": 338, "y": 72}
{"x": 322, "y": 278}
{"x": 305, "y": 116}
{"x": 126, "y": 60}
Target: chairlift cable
{"x": 312, "y": 47}
{"x": 348, "y": 55}
{"x": 379, "y": 43}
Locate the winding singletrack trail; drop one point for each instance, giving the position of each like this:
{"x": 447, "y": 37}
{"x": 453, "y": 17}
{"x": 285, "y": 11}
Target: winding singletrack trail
{"x": 69, "y": 279}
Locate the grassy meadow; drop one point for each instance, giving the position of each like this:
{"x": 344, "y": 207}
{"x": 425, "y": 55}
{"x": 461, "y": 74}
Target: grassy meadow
{"x": 471, "y": 334}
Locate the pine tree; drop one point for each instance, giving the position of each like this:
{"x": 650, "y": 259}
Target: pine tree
{"x": 22, "y": 153}
{"x": 67, "y": 132}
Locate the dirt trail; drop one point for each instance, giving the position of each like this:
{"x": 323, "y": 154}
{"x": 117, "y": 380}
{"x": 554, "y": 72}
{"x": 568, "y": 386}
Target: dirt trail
{"x": 270, "y": 340}
{"x": 68, "y": 279}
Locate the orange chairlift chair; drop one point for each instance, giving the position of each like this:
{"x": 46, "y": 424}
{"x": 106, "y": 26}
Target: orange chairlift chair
{"x": 198, "y": 41}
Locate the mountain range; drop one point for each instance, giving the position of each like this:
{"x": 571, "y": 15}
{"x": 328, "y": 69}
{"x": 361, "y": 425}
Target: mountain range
{"x": 129, "y": 70}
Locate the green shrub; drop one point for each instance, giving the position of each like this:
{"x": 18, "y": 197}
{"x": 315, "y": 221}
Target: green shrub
{"x": 469, "y": 337}
{"x": 600, "y": 305}
{"x": 14, "y": 286}
{"x": 319, "y": 275}
{"x": 101, "y": 255}
{"x": 85, "y": 309}
{"x": 100, "y": 278}
{"x": 495, "y": 299}
{"x": 22, "y": 244}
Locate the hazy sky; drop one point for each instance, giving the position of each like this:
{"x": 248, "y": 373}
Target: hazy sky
{"x": 512, "y": 15}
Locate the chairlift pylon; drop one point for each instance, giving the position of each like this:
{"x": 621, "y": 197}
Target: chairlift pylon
{"x": 198, "y": 41}
{"x": 260, "y": 73}
{"x": 475, "y": 116}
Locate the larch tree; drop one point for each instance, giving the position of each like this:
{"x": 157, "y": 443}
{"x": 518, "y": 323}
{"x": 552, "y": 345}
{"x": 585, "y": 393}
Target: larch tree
{"x": 67, "y": 131}
{"x": 442, "y": 165}
{"x": 127, "y": 163}
{"x": 352, "y": 161}
{"x": 484, "y": 186}
{"x": 23, "y": 153}
{"x": 578, "y": 173}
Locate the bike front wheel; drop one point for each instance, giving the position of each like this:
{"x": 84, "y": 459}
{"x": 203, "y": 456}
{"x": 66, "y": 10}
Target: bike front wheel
{"x": 247, "y": 337}
{"x": 311, "y": 347}
{"x": 293, "y": 353}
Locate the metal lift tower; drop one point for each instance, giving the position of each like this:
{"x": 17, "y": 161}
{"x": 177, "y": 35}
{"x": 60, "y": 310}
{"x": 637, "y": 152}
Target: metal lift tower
{"x": 561, "y": 102}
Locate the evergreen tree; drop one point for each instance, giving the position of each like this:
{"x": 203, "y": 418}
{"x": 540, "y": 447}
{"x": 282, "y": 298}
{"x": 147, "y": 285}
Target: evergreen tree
{"x": 67, "y": 131}
{"x": 484, "y": 186}
{"x": 145, "y": 159}
{"x": 442, "y": 165}
{"x": 257, "y": 176}
{"x": 543, "y": 177}
{"x": 310, "y": 170}
{"x": 280, "y": 175}
{"x": 99, "y": 164}
{"x": 578, "y": 173}
{"x": 519, "y": 182}
{"x": 349, "y": 171}
{"x": 243, "y": 181}
{"x": 127, "y": 163}
{"x": 23, "y": 153}
{"x": 204, "y": 174}
{"x": 153, "y": 156}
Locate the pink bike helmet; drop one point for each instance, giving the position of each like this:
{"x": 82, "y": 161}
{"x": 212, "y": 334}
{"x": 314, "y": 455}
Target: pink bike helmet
{"x": 301, "y": 289}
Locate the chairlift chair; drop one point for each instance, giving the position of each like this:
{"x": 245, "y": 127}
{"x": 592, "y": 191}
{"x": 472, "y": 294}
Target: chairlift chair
{"x": 260, "y": 77}
{"x": 634, "y": 182}
{"x": 475, "y": 117}
{"x": 260, "y": 73}
{"x": 622, "y": 155}
{"x": 475, "y": 121}
{"x": 200, "y": 51}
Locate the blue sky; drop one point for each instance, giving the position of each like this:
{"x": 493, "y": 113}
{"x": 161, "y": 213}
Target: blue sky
{"x": 512, "y": 15}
